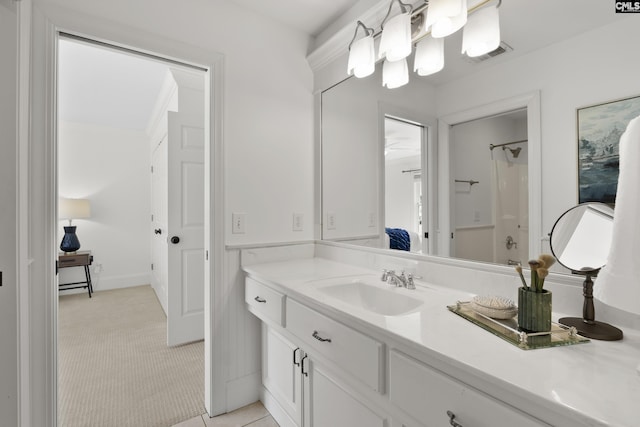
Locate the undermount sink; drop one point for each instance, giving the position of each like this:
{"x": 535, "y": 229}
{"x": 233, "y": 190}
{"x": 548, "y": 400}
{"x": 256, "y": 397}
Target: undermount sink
{"x": 387, "y": 302}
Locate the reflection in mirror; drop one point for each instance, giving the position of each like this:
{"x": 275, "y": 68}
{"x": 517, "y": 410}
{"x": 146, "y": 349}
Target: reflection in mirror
{"x": 490, "y": 191}
{"x": 581, "y": 237}
{"x": 580, "y": 241}
{"x": 354, "y": 113}
{"x": 403, "y": 213}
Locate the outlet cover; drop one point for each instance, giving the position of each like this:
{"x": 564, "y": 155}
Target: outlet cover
{"x": 239, "y": 220}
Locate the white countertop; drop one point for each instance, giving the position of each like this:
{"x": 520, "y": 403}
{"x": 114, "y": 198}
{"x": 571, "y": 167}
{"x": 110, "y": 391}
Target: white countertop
{"x": 593, "y": 384}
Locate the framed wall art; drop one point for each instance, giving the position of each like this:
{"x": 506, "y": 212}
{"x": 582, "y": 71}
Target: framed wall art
{"x": 599, "y": 130}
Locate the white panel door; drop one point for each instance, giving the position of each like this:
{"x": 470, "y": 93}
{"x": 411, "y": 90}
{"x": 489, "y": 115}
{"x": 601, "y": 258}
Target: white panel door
{"x": 185, "y": 238}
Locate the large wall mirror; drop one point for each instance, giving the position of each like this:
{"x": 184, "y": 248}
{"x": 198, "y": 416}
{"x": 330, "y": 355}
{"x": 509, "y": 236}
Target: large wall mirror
{"x": 468, "y": 161}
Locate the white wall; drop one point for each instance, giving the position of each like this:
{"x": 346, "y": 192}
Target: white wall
{"x": 399, "y": 193}
{"x": 111, "y": 168}
{"x": 8, "y": 325}
{"x": 352, "y": 149}
{"x": 471, "y": 159}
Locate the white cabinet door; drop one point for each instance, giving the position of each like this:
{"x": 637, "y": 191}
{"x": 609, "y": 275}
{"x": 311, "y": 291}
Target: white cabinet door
{"x": 281, "y": 372}
{"x": 329, "y": 405}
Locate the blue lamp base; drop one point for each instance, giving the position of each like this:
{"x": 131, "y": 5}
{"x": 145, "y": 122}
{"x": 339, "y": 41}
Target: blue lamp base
{"x": 70, "y": 242}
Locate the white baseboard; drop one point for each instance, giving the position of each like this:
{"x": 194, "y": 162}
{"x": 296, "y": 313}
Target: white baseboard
{"x": 243, "y": 391}
{"x": 161, "y": 294}
{"x": 119, "y": 282}
{"x": 103, "y": 283}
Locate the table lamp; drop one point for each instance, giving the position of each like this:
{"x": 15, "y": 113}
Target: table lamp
{"x": 72, "y": 209}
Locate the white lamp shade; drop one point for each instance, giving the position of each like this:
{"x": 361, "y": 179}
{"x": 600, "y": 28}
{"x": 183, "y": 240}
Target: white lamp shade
{"x": 445, "y": 17}
{"x": 482, "y": 33}
{"x": 362, "y": 61}
{"x": 429, "y": 57}
{"x": 395, "y": 73}
{"x": 74, "y": 209}
{"x": 395, "y": 42}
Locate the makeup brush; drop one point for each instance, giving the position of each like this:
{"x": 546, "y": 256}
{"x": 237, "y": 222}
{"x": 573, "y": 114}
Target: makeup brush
{"x": 519, "y": 270}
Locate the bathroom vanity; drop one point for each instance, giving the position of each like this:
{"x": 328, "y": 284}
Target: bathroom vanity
{"x": 340, "y": 347}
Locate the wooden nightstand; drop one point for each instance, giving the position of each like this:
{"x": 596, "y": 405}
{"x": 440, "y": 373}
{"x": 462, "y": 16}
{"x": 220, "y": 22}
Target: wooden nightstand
{"x": 76, "y": 259}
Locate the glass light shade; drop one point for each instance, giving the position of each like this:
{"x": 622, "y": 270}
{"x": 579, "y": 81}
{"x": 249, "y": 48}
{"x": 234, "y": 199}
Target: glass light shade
{"x": 445, "y": 17}
{"x": 429, "y": 58}
{"x": 482, "y": 33}
{"x": 74, "y": 209}
{"x": 395, "y": 73}
{"x": 362, "y": 60}
{"x": 395, "y": 42}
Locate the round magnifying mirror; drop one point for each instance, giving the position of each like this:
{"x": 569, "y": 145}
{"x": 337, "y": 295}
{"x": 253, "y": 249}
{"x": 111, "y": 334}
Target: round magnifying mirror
{"x": 581, "y": 237}
{"x": 580, "y": 241}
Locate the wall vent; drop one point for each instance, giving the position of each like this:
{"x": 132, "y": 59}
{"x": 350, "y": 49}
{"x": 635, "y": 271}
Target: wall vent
{"x": 503, "y": 48}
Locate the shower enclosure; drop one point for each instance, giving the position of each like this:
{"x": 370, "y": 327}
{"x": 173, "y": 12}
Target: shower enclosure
{"x": 511, "y": 202}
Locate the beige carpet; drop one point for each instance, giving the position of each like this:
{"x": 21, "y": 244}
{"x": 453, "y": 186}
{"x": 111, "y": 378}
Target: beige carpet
{"x": 114, "y": 367}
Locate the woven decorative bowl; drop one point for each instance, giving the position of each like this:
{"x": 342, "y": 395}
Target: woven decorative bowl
{"x": 495, "y": 307}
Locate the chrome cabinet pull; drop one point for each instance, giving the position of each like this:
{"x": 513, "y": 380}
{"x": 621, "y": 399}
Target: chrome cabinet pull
{"x": 294, "y": 357}
{"x": 260, "y": 299}
{"x": 306, "y": 374}
{"x": 452, "y": 420}
{"x": 317, "y": 336}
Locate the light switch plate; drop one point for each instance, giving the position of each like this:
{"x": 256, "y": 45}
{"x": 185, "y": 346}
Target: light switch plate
{"x": 372, "y": 219}
{"x": 298, "y": 222}
{"x": 331, "y": 221}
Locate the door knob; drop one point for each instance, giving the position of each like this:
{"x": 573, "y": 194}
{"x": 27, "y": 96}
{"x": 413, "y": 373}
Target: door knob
{"x": 175, "y": 239}
{"x": 157, "y": 231}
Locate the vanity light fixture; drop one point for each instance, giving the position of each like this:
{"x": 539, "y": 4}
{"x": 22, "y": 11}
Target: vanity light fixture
{"x": 395, "y": 42}
{"x": 445, "y": 17}
{"x": 429, "y": 58}
{"x": 395, "y": 73}
{"x": 362, "y": 61}
{"x": 481, "y": 35}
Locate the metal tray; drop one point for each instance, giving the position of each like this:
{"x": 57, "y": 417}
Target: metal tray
{"x": 559, "y": 335}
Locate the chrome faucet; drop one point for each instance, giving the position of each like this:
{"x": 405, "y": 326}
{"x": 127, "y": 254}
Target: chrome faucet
{"x": 392, "y": 278}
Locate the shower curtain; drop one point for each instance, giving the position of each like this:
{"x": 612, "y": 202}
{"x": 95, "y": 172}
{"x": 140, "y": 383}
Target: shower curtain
{"x": 511, "y": 207}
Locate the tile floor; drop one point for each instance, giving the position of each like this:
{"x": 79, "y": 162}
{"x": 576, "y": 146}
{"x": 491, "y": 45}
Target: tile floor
{"x": 254, "y": 415}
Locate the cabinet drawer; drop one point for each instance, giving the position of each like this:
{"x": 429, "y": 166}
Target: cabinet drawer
{"x": 427, "y": 395}
{"x": 354, "y": 352}
{"x": 73, "y": 260}
{"x": 268, "y": 304}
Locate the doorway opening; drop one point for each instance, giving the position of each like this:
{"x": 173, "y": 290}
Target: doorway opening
{"x": 403, "y": 187}
{"x": 490, "y": 193}
{"x": 131, "y": 143}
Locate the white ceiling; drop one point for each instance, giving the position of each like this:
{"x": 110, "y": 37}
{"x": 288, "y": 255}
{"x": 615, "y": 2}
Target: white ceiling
{"x": 401, "y": 139}
{"x": 308, "y": 16}
{"x": 105, "y": 87}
